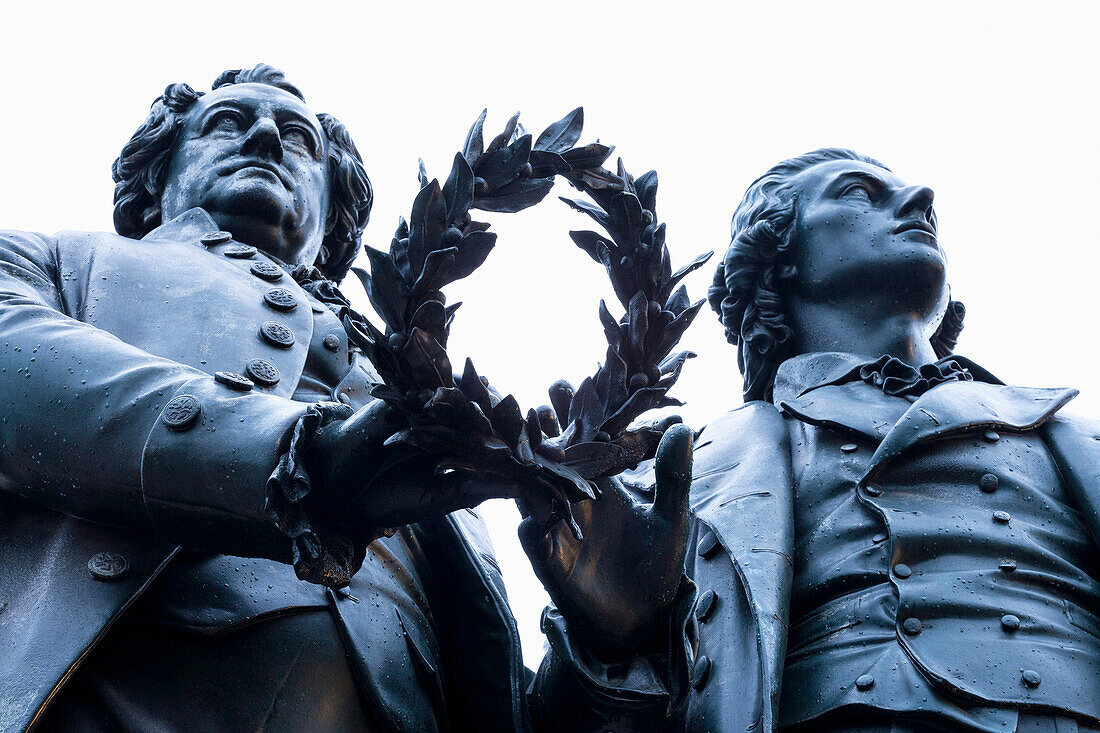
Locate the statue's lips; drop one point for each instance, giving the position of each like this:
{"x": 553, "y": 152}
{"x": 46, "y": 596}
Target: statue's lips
{"x": 921, "y": 227}
{"x": 254, "y": 166}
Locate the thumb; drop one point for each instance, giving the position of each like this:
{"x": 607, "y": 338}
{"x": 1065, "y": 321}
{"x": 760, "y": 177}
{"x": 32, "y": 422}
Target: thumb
{"x": 673, "y": 470}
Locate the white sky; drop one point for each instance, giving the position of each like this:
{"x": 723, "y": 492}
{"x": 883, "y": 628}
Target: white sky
{"x": 995, "y": 105}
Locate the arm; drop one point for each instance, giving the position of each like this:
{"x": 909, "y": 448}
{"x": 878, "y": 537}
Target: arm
{"x": 620, "y": 645}
{"x": 82, "y": 429}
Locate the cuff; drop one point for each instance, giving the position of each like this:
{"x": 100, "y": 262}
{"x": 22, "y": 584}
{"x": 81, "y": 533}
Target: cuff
{"x": 221, "y": 472}
{"x": 654, "y": 683}
{"x": 320, "y": 554}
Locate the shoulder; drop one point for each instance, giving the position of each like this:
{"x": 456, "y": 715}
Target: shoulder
{"x": 752, "y": 422}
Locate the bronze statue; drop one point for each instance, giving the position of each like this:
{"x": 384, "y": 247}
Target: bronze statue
{"x": 186, "y": 416}
{"x": 887, "y": 537}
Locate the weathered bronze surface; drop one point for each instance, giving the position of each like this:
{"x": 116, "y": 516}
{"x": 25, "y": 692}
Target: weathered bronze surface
{"x": 886, "y": 536}
{"x": 190, "y": 432}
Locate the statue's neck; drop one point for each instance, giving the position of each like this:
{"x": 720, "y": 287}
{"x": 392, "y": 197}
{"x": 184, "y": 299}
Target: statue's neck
{"x": 865, "y": 331}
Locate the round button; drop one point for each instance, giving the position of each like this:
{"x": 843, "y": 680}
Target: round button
{"x": 989, "y": 483}
{"x": 216, "y": 238}
{"x": 708, "y": 544}
{"x": 705, "y": 607}
{"x": 180, "y": 412}
{"x": 902, "y": 570}
{"x": 233, "y": 381}
{"x": 1031, "y": 678}
{"x": 1002, "y": 517}
{"x": 879, "y": 538}
{"x": 262, "y": 372}
{"x": 108, "y": 566}
{"x": 873, "y": 490}
{"x": 277, "y": 334}
{"x": 1010, "y": 622}
{"x": 280, "y": 299}
{"x": 700, "y": 673}
{"x": 331, "y": 342}
{"x": 912, "y": 626}
{"x": 849, "y": 448}
{"x": 865, "y": 682}
{"x": 266, "y": 270}
{"x": 1007, "y": 565}
{"x": 240, "y": 252}
{"x": 991, "y": 436}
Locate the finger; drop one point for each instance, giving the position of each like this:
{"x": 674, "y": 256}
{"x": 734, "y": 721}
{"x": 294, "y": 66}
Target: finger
{"x": 548, "y": 421}
{"x": 667, "y": 422}
{"x": 561, "y": 397}
{"x": 673, "y": 470}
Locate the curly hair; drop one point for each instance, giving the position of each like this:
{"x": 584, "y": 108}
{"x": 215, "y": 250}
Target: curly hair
{"x": 746, "y": 292}
{"x": 139, "y": 171}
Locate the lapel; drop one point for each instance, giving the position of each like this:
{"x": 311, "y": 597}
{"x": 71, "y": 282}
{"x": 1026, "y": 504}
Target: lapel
{"x": 954, "y": 408}
{"x": 742, "y": 489}
{"x": 855, "y": 408}
{"x": 203, "y": 285}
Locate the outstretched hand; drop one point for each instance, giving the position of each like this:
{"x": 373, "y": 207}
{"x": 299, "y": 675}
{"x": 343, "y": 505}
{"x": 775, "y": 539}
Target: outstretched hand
{"x": 614, "y": 585}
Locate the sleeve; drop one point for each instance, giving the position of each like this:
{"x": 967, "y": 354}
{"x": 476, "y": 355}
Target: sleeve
{"x": 94, "y": 427}
{"x": 576, "y": 691}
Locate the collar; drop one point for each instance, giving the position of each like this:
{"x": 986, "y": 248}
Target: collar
{"x": 806, "y": 372}
{"x": 191, "y": 224}
{"x": 817, "y": 389}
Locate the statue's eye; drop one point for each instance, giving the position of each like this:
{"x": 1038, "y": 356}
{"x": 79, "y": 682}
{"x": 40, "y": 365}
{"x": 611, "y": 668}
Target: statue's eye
{"x": 225, "y": 122}
{"x": 857, "y": 191}
{"x": 298, "y": 136}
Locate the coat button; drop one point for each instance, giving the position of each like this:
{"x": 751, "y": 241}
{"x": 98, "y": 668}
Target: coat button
{"x": 180, "y": 412}
{"x": 234, "y": 381}
{"x": 277, "y": 334}
{"x": 108, "y": 566}
{"x": 902, "y": 570}
{"x": 1031, "y": 678}
{"x": 873, "y": 490}
{"x": 878, "y": 539}
{"x": 262, "y": 372}
{"x": 1007, "y": 565}
{"x": 989, "y": 483}
{"x": 912, "y": 626}
{"x": 705, "y": 607}
{"x": 700, "y": 673}
{"x": 849, "y": 448}
{"x": 240, "y": 252}
{"x": 991, "y": 436}
{"x": 266, "y": 270}
{"x": 280, "y": 299}
{"x": 1010, "y": 622}
{"x": 214, "y": 238}
{"x": 708, "y": 544}
{"x": 865, "y": 682}
{"x": 1002, "y": 517}
{"x": 331, "y": 342}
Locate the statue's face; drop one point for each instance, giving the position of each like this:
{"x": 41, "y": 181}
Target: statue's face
{"x": 254, "y": 157}
{"x": 861, "y": 229}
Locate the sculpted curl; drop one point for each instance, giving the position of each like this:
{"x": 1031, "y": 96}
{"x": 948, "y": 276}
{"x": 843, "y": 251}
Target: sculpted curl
{"x": 140, "y": 169}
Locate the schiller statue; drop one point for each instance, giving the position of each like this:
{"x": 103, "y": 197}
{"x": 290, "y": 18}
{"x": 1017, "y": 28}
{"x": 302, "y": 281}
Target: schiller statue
{"x": 888, "y": 538}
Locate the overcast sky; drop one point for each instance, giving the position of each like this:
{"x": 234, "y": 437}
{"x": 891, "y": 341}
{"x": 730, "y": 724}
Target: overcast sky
{"x": 995, "y": 105}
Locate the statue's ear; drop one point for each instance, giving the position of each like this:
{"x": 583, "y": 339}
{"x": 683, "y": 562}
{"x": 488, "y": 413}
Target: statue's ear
{"x": 947, "y": 335}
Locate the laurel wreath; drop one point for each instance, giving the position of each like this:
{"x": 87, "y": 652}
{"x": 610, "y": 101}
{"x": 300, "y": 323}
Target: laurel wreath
{"x": 556, "y": 451}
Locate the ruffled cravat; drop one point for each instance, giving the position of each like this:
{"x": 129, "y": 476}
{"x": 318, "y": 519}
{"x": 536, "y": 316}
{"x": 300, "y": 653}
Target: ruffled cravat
{"x": 898, "y": 379}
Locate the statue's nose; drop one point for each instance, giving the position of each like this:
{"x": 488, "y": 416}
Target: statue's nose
{"x": 916, "y": 200}
{"x": 263, "y": 141}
